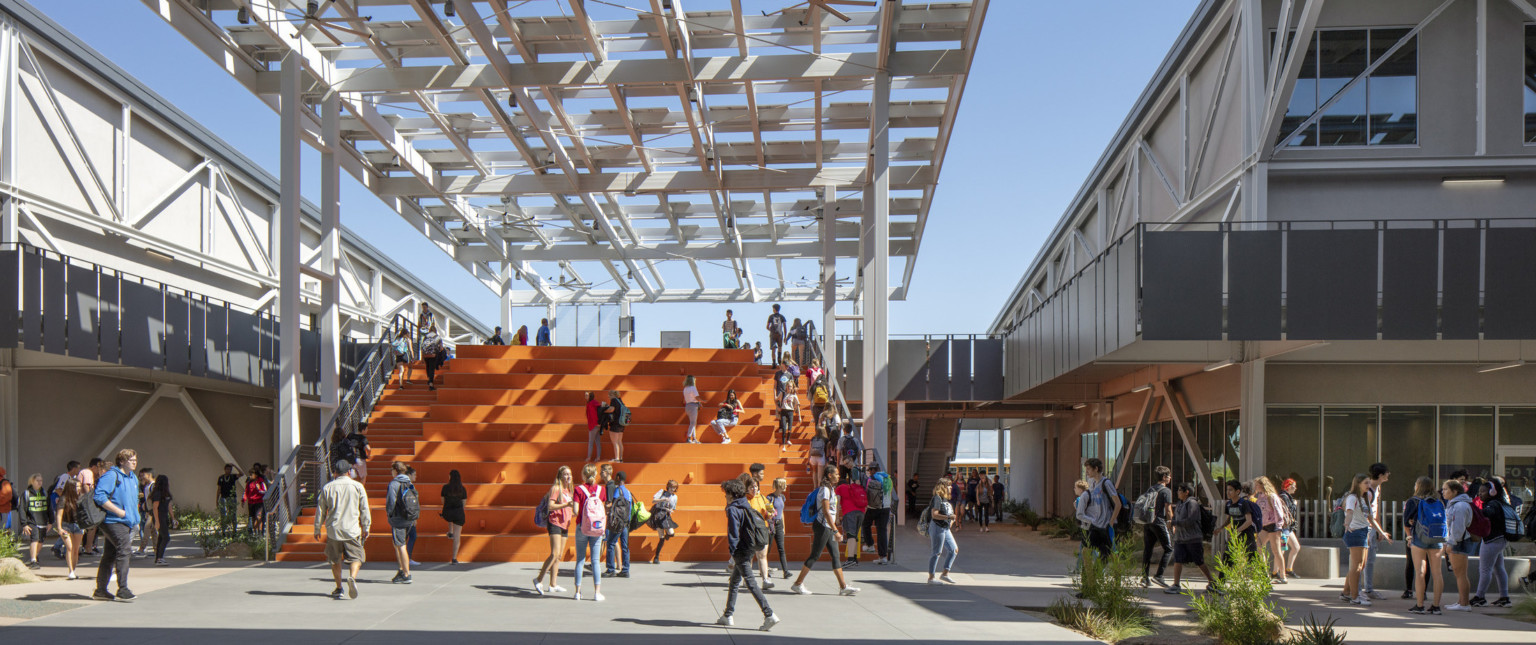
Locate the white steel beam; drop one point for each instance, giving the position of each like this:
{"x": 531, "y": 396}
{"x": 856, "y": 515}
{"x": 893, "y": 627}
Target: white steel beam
{"x": 877, "y": 377}
{"x": 330, "y": 250}
{"x": 288, "y": 254}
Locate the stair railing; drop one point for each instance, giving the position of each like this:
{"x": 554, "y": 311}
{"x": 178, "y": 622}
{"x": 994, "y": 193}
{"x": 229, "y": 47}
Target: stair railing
{"x": 834, "y": 387}
{"x": 308, "y": 468}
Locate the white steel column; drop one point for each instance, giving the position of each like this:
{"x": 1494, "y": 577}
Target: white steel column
{"x": 1250, "y": 419}
{"x": 549, "y": 313}
{"x": 287, "y": 252}
{"x": 876, "y": 395}
{"x": 901, "y": 462}
{"x": 1002, "y": 454}
{"x": 330, "y": 251}
{"x": 506, "y": 297}
{"x": 623, "y": 315}
{"x": 829, "y": 282}
{"x": 9, "y": 50}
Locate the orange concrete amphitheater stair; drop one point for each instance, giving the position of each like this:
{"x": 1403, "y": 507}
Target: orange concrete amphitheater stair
{"x": 508, "y": 417}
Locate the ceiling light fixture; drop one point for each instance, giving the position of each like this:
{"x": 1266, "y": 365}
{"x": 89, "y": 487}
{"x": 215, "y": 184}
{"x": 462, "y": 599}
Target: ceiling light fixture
{"x": 1141, "y": 389}
{"x": 1048, "y": 414}
{"x": 1473, "y": 180}
{"x": 693, "y": 95}
{"x": 1501, "y": 366}
{"x": 123, "y": 388}
{"x": 512, "y": 100}
{"x": 1216, "y": 366}
{"x": 161, "y": 255}
{"x": 1079, "y": 406}
{"x": 261, "y": 406}
{"x": 312, "y": 9}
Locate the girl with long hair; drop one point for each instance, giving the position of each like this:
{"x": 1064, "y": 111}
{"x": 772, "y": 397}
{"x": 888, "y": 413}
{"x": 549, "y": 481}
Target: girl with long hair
{"x": 663, "y": 505}
{"x": 160, "y": 512}
{"x": 594, "y": 428}
{"x": 1356, "y": 527}
{"x": 940, "y": 538}
{"x": 558, "y": 528}
{"x": 825, "y": 535}
{"x": 728, "y": 416}
{"x": 1425, "y": 544}
{"x": 64, "y": 518}
{"x": 691, "y": 406}
{"x": 1273, "y": 513}
{"x": 1490, "y": 560}
{"x": 454, "y": 495}
{"x": 589, "y": 492}
{"x": 779, "y": 497}
{"x": 1458, "y": 516}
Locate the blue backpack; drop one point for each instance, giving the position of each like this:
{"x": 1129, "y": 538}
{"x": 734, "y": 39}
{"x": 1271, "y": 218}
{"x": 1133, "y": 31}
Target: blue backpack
{"x": 1429, "y": 528}
{"x": 812, "y": 507}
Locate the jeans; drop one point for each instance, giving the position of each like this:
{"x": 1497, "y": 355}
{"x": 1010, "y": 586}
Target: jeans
{"x": 823, "y": 538}
{"x": 984, "y": 513}
{"x": 410, "y": 542}
{"x": 162, "y": 540}
{"x": 877, "y": 519}
{"x": 741, "y": 571}
{"x": 588, "y": 545}
{"x": 786, "y": 420}
{"x": 1370, "y": 561}
{"x": 1100, "y": 537}
{"x": 118, "y": 555}
{"x": 778, "y": 542}
{"x": 1490, "y": 567}
{"x": 617, "y": 540}
{"x": 942, "y": 541}
{"x": 594, "y": 445}
{"x": 1155, "y": 535}
{"x": 693, "y": 419}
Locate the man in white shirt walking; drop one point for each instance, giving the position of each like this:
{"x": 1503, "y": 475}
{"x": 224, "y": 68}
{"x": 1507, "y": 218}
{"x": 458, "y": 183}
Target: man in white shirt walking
{"x": 343, "y": 509}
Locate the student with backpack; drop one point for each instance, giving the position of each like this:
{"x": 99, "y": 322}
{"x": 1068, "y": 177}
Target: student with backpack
{"x": 1272, "y": 513}
{"x": 753, "y": 480}
{"x": 663, "y": 505}
{"x": 1490, "y": 559}
{"x": 878, "y": 489}
{"x": 591, "y": 518}
{"x": 1424, "y": 522}
{"x": 778, "y": 498}
{"x": 820, "y": 511}
{"x": 854, "y": 500}
{"x": 255, "y": 499}
{"x": 1103, "y": 507}
{"x": 1188, "y": 540}
{"x": 621, "y": 505}
{"x": 1356, "y": 526}
{"x": 789, "y": 412}
{"x": 1460, "y": 515}
{"x": 1153, "y": 510}
{"x": 402, "y": 509}
{"x": 34, "y": 517}
{"x": 554, "y": 515}
{"x": 746, "y": 534}
{"x": 937, "y": 519}
{"x": 618, "y": 419}
{"x": 778, "y": 331}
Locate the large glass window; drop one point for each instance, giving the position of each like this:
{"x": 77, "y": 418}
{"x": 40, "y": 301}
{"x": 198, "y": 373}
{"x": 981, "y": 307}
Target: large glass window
{"x": 1290, "y": 448}
{"x": 1349, "y": 446}
{"x": 1380, "y": 110}
{"x": 1517, "y": 426}
{"x": 1407, "y": 447}
{"x": 1466, "y": 440}
{"x": 1530, "y": 83}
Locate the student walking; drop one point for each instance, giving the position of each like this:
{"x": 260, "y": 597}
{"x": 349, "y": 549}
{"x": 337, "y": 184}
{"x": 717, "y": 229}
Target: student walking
{"x": 1272, "y": 514}
{"x": 34, "y": 518}
{"x": 746, "y": 533}
{"x": 117, "y": 493}
{"x": 940, "y": 537}
{"x": 66, "y": 519}
{"x": 1243, "y": 514}
{"x": 825, "y": 535}
{"x": 453, "y": 496}
{"x": 877, "y": 487}
{"x": 777, "y": 499}
{"x": 342, "y": 508}
{"x": 789, "y": 412}
{"x": 1356, "y": 527}
{"x": 1378, "y": 474}
{"x": 691, "y": 406}
{"x": 146, "y": 529}
{"x": 228, "y": 502}
{"x": 1490, "y": 559}
{"x": 778, "y": 332}
{"x": 618, "y": 419}
{"x": 999, "y": 495}
{"x": 853, "y": 500}
{"x": 1459, "y": 511}
{"x": 797, "y": 341}
{"x": 558, "y": 505}
{"x": 594, "y": 429}
{"x": 432, "y": 355}
{"x": 1102, "y": 508}
{"x": 1288, "y": 538}
{"x": 401, "y": 345}
{"x": 983, "y": 506}
{"x": 590, "y": 518}
{"x": 621, "y": 505}
{"x": 543, "y": 338}
{"x": 160, "y": 513}
{"x": 1155, "y": 532}
{"x": 1425, "y": 525}
{"x": 1188, "y": 540}
{"x": 255, "y": 499}
{"x": 727, "y": 416}
{"x": 520, "y": 338}
{"x": 401, "y": 508}
{"x": 663, "y": 505}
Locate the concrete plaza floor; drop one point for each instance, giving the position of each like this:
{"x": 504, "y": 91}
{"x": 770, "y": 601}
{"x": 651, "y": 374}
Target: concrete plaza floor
{"x": 200, "y": 601}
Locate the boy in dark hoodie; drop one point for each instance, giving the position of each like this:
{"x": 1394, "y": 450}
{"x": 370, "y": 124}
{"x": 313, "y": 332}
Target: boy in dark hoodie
{"x": 741, "y": 522}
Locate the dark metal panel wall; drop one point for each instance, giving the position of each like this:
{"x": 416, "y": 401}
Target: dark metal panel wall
{"x": 142, "y": 318}
{"x": 309, "y": 361}
{"x": 1181, "y": 292}
{"x": 55, "y": 306}
{"x": 267, "y": 327}
{"x": 1331, "y": 285}
{"x": 987, "y": 370}
{"x": 1410, "y": 273}
{"x": 1126, "y": 310}
{"x": 217, "y": 341}
{"x": 1253, "y": 285}
{"x": 82, "y": 307}
{"x": 244, "y": 347}
{"x": 197, "y": 334}
{"x": 960, "y": 369}
{"x": 1461, "y": 263}
{"x": 1509, "y": 307}
{"x": 10, "y": 295}
{"x": 32, "y": 300}
{"x": 938, "y": 370}
{"x": 178, "y": 351}
{"x": 110, "y": 316}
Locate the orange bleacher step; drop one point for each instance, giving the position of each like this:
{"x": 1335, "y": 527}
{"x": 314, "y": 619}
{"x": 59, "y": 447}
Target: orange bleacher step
{"x": 519, "y": 519}
{"x": 301, "y": 547}
{"x": 578, "y": 398}
{"x": 668, "y": 354}
{"x": 592, "y": 382}
{"x": 614, "y": 367}
{"x": 565, "y": 452}
{"x": 493, "y": 495}
{"x": 577, "y": 433}
{"x": 512, "y": 473}
{"x": 569, "y": 414}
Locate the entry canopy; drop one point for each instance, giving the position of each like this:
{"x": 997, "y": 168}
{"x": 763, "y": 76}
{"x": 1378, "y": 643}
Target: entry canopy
{"x": 641, "y": 150}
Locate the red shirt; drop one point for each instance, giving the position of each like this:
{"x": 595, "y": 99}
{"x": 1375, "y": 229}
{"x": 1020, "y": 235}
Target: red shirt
{"x": 850, "y": 501}
{"x": 592, "y": 407}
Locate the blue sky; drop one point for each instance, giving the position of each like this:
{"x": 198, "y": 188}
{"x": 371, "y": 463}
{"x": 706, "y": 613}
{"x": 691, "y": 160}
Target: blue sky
{"x": 1050, "y": 84}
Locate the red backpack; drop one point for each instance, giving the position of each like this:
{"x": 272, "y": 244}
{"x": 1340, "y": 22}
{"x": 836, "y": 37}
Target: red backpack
{"x": 1479, "y": 527}
{"x": 255, "y": 491}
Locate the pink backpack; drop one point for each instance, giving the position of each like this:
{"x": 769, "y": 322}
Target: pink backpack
{"x": 594, "y": 521}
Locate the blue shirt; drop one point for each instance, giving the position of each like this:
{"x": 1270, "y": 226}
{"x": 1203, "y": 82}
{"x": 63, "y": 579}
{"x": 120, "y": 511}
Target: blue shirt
{"x": 543, "y": 337}
{"x": 121, "y": 489}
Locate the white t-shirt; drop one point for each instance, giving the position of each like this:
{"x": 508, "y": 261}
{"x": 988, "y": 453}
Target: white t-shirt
{"x": 690, "y": 395}
{"x": 1355, "y": 510}
{"x": 831, "y": 496}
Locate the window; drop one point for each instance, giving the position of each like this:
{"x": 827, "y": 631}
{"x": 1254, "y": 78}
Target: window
{"x": 1408, "y": 447}
{"x": 1466, "y": 440}
{"x": 1530, "y": 83}
{"x": 1291, "y": 448}
{"x": 1380, "y": 110}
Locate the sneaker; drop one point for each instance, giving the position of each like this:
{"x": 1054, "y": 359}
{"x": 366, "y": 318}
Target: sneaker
{"x": 1374, "y": 595}
{"x": 1280, "y": 581}
{"x": 159, "y": 563}
{"x": 538, "y": 587}
{"x": 557, "y": 589}
{"x": 1455, "y": 606}
{"x": 405, "y": 581}
{"x": 1434, "y": 610}
{"x": 1361, "y": 601}
{"x": 848, "y": 591}
{"x": 800, "y": 589}
{"x": 598, "y": 597}
{"x": 1174, "y": 590}
{"x": 1477, "y": 601}
{"x": 1212, "y": 588}
{"x": 577, "y": 594}
{"x": 126, "y": 594}
{"x": 1145, "y": 583}
{"x": 1501, "y": 602}
{"x": 1417, "y": 609}
{"x": 415, "y": 563}
{"x": 34, "y": 565}
{"x": 786, "y": 575}
{"x": 102, "y": 595}
{"x": 945, "y": 577}
{"x": 610, "y": 572}
{"x": 851, "y": 563}
{"x": 351, "y": 587}
{"x": 725, "y": 440}
{"x": 621, "y": 574}
{"x": 935, "y": 581}
{"x": 1159, "y": 580}
{"x": 1291, "y": 574}
{"x": 768, "y": 622}
{"x": 767, "y": 584}
{"x": 398, "y": 576}
{"x": 336, "y": 593}
{"x": 726, "y": 621}
{"x": 1408, "y": 594}
{"x": 71, "y": 576}
{"x": 869, "y": 549}
{"x": 883, "y": 561}
{"x": 1344, "y": 598}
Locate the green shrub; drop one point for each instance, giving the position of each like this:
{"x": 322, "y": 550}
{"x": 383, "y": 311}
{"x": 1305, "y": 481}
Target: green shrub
{"x": 1525, "y": 609}
{"x": 1022, "y": 513}
{"x": 196, "y": 518}
{"x": 1243, "y": 613}
{"x": 1062, "y": 527}
{"x": 212, "y": 540}
{"x": 1113, "y": 585}
{"x": 1313, "y": 633}
{"x": 1097, "y": 624}
{"x": 9, "y": 547}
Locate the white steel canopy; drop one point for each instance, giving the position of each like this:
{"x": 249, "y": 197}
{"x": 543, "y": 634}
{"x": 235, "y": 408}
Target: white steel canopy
{"x": 620, "y": 151}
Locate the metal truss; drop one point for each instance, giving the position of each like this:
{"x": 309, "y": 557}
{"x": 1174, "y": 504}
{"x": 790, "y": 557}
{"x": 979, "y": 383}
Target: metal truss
{"x": 676, "y": 153}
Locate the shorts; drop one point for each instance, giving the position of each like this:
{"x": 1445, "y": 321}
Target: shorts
{"x": 70, "y": 527}
{"x": 37, "y": 533}
{"x": 400, "y": 534}
{"x": 559, "y": 530}
{"x": 1468, "y": 546}
{"x": 1189, "y": 553}
{"x": 344, "y": 551}
{"x": 1356, "y": 539}
{"x": 852, "y": 521}
{"x": 1268, "y": 528}
{"x": 1415, "y": 543}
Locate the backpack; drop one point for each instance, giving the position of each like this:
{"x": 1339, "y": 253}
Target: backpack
{"x": 1207, "y": 522}
{"x": 407, "y": 507}
{"x": 1146, "y": 507}
{"x": 621, "y": 509}
{"x": 622, "y": 417}
{"x": 755, "y": 531}
{"x": 818, "y": 445}
{"x": 541, "y": 513}
{"x": 254, "y": 493}
{"x": 924, "y": 519}
{"x": 858, "y": 495}
{"x": 593, "y": 519}
{"x": 1480, "y": 527}
{"x": 874, "y": 490}
{"x": 781, "y": 383}
{"x": 639, "y": 516}
{"x": 1123, "y": 519}
{"x": 346, "y": 451}
{"x": 1429, "y": 528}
{"x": 811, "y": 508}
{"x": 89, "y": 515}
{"x": 1513, "y": 531}
{"x": 1336, "y": 519}
{"x": 819, "y": 395}
{"x": 7, "y": 496}
{"x": 848, "y": 448}
{"x": 726, "y": 412}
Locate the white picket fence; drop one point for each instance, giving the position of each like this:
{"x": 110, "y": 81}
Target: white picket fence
{"x": 1315, "y": 514}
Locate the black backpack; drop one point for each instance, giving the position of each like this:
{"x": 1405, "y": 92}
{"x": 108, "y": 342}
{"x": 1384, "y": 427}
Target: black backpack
{"x": 621, "y": 506}
{"x": 407, "y": 507}
{"x": 1207, "y": 522}
{"x": 755, "y": 531}
{"x": 726, "y": 412}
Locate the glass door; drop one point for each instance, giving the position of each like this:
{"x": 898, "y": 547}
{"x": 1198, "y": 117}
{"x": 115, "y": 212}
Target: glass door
{"x": 1518, "y": 466}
